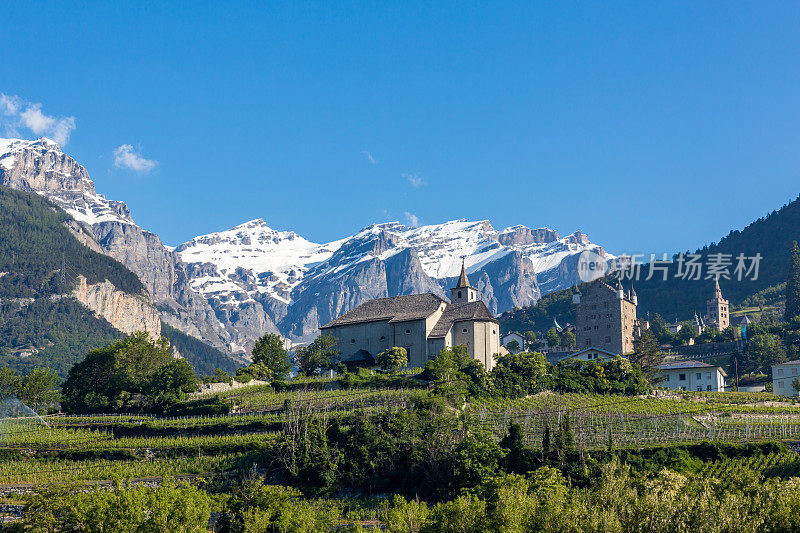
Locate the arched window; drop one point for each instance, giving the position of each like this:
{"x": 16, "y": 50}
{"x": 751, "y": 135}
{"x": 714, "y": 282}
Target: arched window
{"x": 459, "y": 294}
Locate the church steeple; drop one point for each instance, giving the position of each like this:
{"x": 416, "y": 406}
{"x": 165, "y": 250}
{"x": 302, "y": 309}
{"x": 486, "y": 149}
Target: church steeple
{"x": 463, "y": 281}
{"x": 463, "y": 291}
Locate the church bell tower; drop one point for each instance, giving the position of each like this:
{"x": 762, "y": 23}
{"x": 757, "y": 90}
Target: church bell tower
{"x": 463, "y": 292}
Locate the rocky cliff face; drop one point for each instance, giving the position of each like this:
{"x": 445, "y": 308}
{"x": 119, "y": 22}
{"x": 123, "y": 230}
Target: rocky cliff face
{"x": 40, "y": 166}
{"x": 125, "y": 312}
{"x": 229, "y": 288}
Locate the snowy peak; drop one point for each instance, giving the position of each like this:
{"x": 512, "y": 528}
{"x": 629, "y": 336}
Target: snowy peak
{"x": 271, "y": 262}
{"x": 40, "y": 166}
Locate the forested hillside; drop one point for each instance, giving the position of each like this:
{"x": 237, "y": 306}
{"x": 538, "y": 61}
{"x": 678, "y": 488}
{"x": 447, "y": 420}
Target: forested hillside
{"x": 204, "y": 358}
{"x": 37, "y": 326}
{"x": 34, "y": 242}
{"x": 771, "y": 236}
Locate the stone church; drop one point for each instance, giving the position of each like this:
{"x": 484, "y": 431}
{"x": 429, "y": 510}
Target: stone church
{"x": 423, "y": 324}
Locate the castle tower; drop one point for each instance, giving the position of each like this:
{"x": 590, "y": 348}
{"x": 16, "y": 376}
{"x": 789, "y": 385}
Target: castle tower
{"x": 463, "y": 292}
{"x": 717, "y": 309}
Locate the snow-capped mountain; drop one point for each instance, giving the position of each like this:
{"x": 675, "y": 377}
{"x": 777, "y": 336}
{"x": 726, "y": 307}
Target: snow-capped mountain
{"x": 302, "y": 284}
{"x": 229, "y": 288}
{"x": 40, "y": 166}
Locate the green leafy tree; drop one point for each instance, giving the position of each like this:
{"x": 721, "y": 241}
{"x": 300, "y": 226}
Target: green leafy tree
{"x": 513, "y": 346}
{"x": 39, "y": 389}
{"x": 552, "y": 337}
{"x": 270, "y": 353}
{"x": 170, "y": 383}
{"x": 568, "y": 340}
{"x": 9, "y": 383}
{"x": 763, "y": 350}
{"x": 320, "y": 355}
{"x": 793, "y": 284}
{"x": 516, "y": 375}
{"x": 113, "y": 378}
{"x": 392, "y": 359}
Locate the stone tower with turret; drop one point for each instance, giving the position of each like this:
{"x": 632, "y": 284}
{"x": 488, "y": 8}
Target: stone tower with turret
{"x": 717, "y": 310}
{"x": 605, "y": 317}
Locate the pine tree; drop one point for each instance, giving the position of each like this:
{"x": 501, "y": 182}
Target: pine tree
{"x": 793, "y": 284}
{"x": 546, "y": 442}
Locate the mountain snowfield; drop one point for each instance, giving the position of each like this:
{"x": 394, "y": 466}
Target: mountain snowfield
{"x": 40, "y": 166}
{"x": 230, "y": 287}
{"x": 252, "y": 261}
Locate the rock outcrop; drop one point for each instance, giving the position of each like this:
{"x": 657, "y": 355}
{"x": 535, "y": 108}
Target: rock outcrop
{"x": 125, "y": 312}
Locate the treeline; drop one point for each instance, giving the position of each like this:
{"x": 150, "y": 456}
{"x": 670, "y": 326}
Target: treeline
{"x": 59, "y": 332}
{"x": 35, "y": 243}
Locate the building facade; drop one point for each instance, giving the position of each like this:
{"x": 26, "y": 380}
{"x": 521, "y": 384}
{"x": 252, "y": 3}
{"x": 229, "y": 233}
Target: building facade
{"x": 506, "y": 339}
{"x": 423, "y": 324}
{"x": 783, "y": 375}
{"x": 692, "y": 376}
{"x": 605, "y": 317}
{"x": 717, "y": 310}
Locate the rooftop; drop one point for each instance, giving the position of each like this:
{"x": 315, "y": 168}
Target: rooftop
{"x": 460, "y": 313}
{"x": 684, "y": 364}
{"x": 393, "y": 309}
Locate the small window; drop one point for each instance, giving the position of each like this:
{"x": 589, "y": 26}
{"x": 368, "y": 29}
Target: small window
{"x": 666, "y": 378}
{"x": 780, "y": 384}
{"x": 780, "y": 371}
{"x": 699, "y": 375}
{"x": 464, "y": 330}
{"x": 708, "y": 387}
{"x": 408, "y": 332}
{"x": 383, "y": 337}
{"x": 459, "y": 294}
{"x": 699, "y": 389}
{"x": 681, "y": 377}
{"x": 352, "y": 341}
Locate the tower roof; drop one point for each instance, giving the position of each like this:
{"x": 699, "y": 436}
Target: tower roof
{"x": 463, "y": 281}
{"x": 717, "y": 290}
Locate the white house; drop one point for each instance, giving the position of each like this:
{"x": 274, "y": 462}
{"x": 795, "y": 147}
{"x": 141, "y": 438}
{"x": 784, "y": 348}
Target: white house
{"x": 506, "y": 339}
{"x": 591, "y": 354}
{"x": 782, "y": 377}
{"x": 692, "y": 376}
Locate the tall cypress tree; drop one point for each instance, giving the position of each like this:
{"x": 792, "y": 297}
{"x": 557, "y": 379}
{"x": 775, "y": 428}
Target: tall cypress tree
{"x": 793, "y": 284}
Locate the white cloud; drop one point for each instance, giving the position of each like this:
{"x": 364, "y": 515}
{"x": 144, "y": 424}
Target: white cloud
{"x": 16, "y": 113}
{"x": 369, "y": 157}
{"x": 126, "y": 157}
{"x": 413, "y": 220}
{"x": 414, "y": 179}
{"x": 9, "y": 105}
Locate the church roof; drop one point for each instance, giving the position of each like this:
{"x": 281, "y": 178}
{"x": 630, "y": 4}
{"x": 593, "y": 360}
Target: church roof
{"x": 394, "y": 309}
{"x": 463, "y": 280}
{"x": 463, "y": 312}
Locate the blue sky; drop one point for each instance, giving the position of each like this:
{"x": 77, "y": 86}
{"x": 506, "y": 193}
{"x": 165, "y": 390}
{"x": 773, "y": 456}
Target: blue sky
{"x": 650, "y": 126}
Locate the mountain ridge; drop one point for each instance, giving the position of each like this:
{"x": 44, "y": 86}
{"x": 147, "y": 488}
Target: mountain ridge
{"x": 229, "y": 287}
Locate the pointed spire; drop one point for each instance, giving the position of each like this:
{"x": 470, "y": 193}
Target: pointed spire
{"x": 463, "y": 281}
{"x": 717, "y": 290}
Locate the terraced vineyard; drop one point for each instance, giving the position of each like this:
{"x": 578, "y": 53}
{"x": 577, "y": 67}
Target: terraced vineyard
{"x": 74, "y": 449}
{"x": 597, "y": 421}
{"x": 781, "y": 465}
